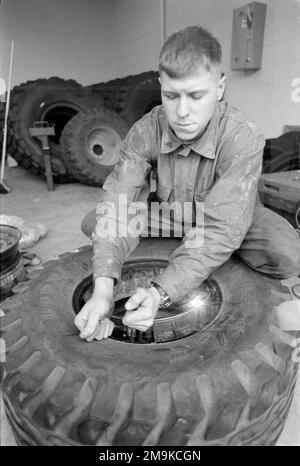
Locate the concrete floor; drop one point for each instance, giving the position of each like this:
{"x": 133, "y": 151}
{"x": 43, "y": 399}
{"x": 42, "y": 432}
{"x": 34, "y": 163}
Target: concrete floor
{"x": 61, "y": 212}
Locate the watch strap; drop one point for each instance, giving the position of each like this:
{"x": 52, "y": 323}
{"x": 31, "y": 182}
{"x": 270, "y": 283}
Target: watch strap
{"x": 164, "y": 297}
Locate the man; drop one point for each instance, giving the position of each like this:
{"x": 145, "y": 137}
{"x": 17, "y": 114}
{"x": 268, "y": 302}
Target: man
{"x": 204, "y": 151}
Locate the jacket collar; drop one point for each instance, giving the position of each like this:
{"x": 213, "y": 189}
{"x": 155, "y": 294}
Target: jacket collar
{"x": 205, "y": 145}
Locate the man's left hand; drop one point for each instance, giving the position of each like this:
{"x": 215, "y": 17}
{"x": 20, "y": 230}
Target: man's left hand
{"x": 142, "y": 308}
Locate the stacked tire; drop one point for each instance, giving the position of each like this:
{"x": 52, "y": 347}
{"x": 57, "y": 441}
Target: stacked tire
{"x": 54, "y": 100}
{"x": 90, "y": 145}
{"x": 89, "y": 123}
{"x": 133, "y": 96}
{"x": 95, "y": 119}
{"x": 90, "y": 141}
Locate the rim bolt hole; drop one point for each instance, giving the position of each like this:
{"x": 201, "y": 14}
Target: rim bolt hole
{"x": 98, "y": 149}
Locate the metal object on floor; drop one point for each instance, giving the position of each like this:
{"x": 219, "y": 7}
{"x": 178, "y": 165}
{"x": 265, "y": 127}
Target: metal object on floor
{"x": 42, "y": 131}
{"x": 12, "y": 268}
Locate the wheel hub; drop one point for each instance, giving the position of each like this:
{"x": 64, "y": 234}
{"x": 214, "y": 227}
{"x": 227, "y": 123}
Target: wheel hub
{"x": 103, "y": 146}
{"x": 98, "y": 149}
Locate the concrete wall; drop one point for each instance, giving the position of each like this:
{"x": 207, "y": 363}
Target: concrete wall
{"x": 68, "y": 38}
{"x": 138, "y": 37}
{"x": 97, "y": 40}
{"x": 266, "y": 94}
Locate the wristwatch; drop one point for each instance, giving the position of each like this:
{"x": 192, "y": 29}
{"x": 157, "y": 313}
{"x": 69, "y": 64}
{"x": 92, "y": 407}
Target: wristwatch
{"x": 164, "y": 298}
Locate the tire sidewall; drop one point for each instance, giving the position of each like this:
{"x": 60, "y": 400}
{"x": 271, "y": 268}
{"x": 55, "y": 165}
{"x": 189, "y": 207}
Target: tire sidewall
{"x": 38, "y": 99}
{"x": 47, "y": 319}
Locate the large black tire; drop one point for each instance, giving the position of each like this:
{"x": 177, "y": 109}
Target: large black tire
{"x": 230, "y": 384}
{"x": 54, "y": 100}
{"x": 132, "y": 96}
{"x": 90, "y": 145}
{"x": 282, "y": 153}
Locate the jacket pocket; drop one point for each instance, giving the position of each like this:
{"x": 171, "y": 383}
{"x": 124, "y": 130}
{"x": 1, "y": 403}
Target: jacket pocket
{"x": 163, "y": 192}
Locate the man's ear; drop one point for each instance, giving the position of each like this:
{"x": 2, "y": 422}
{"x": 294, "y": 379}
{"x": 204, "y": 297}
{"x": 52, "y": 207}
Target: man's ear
{"x": 221, "y": 87}
{"x": 159, "y": 79}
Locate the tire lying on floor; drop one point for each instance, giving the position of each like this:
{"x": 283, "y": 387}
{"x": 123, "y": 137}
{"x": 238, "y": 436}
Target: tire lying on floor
{"x": 219, "y": 371}
{"x": 90, "y": 144}
{"x": 54, "y": 100}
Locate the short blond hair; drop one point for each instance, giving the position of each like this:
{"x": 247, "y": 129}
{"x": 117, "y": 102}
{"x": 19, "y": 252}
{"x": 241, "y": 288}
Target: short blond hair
{"x": 184, "y": 51}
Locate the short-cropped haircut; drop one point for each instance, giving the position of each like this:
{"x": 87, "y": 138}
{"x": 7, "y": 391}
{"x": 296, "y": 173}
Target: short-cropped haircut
{"x": 185, "y": 50}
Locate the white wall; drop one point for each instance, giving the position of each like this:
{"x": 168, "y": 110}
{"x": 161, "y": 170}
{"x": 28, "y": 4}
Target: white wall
{"x": 264, "y": 94}
{"x": 97, "y": 40}
{"x": 138, "y": 38}
{"x": 68, "y": 38}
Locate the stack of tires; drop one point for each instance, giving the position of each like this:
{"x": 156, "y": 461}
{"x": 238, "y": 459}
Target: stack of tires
{"x": 54, "y": 100}
{"x": 90, "y": 123}
{"x": 132, "y": 96}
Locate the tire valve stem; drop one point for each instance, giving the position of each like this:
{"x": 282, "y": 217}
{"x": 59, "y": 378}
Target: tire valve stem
{"x": 131, "y": 334}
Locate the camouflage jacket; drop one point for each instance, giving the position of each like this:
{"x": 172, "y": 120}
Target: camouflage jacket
{"x": 220, "y": 170}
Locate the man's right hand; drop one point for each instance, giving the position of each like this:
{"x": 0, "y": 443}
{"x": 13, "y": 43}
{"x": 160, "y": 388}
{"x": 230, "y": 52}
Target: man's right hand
{"x": 92, "y": 320}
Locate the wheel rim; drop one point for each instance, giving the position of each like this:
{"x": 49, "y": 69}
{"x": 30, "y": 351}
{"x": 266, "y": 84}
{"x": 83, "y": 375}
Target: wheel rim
{"x": 9, "y": 241}
{"x": 195, "y": 313}
{"x": 103, "y": 145}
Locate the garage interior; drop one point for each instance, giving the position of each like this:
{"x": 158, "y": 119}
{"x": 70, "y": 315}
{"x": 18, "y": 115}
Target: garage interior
{"x": 96, "y": 42}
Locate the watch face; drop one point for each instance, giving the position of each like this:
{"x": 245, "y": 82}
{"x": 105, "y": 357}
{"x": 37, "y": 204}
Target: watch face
{"x": 164, "y": 302}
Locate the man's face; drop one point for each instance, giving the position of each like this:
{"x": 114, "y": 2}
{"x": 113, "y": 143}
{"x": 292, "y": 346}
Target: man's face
{"x": 189, "y": 102}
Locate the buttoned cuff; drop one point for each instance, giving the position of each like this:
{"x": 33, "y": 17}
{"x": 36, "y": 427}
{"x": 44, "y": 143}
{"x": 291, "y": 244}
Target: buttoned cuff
{"x": 110, "y": 272}
{"x": 106, "y": 266}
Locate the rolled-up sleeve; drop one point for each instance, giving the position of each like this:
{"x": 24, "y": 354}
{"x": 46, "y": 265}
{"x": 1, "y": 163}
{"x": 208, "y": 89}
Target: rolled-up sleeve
{"x": 124, "y": 196}
{"x": 227, "y": 215}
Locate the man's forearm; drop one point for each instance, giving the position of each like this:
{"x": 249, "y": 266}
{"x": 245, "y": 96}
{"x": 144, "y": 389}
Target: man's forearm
{"x": 103, "y": 286}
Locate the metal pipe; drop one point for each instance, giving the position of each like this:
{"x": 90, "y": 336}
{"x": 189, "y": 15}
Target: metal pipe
{"x": 163, "y": 11}
{"x": 6, "y": 112}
